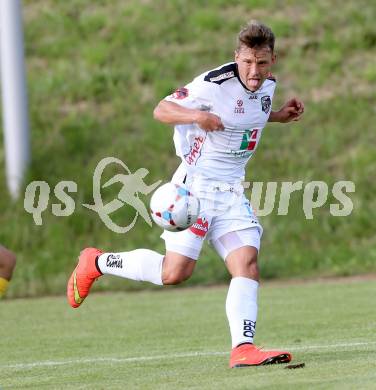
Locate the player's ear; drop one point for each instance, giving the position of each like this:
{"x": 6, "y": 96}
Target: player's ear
{"x": 274, "y": 58}
{"x": 236, "y": 54}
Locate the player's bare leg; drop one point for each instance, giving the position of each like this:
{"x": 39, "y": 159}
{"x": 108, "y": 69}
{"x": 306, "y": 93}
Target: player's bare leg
{"x": 241, "y": 309}
{"x": 7, "y": 264}
{"x": 176, "y": 268}
{"x": 242, "y": 262}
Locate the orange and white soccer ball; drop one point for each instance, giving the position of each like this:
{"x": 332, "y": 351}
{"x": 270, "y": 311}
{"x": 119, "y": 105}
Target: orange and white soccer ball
{"x": 174, "y": 207}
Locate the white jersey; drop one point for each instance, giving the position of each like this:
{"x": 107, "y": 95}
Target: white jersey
{"x": 222, "y": 155}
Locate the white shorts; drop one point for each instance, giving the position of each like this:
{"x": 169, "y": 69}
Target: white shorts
{"x": 226, "y": 219}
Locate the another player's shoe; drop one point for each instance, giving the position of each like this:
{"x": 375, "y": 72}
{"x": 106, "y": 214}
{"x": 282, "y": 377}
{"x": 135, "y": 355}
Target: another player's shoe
{"x": 83, "y": 276}
{"x": 249, "y": 355}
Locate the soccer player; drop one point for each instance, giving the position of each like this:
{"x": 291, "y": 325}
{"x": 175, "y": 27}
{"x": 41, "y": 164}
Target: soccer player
{"x": 7, "y": 264}
{"x": 218, "y": 120}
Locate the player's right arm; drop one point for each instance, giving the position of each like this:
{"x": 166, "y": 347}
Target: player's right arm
{"x": 175, "y": 114}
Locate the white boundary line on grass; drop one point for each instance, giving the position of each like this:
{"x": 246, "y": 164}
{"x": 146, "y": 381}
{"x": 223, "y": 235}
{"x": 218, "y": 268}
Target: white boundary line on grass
{"x": 49, "y": 363}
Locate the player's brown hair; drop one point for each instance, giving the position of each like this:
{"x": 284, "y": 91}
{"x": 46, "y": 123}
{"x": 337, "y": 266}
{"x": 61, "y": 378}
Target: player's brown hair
{"x": 256, "y": 34}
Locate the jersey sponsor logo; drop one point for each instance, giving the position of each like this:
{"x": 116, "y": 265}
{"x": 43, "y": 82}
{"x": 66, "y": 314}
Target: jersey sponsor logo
{"x": 239, "y": 109}
{"x": 253, "y": 96}
{"x": 248, "y": 144}
{"x": 240, "y": 153}
{"x": 180, "y": 93}
{"x": 223, "y": 76}
{"x": 249, "y": 140}
{"x": 266, "y": 104}
{"x": 195, "y": 152}
{"x": 201, "y": 227}
{"x": 249, "y": 328}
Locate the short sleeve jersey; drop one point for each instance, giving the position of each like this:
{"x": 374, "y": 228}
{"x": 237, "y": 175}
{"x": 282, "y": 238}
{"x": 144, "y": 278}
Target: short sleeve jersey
{"x": 222, "y": 155}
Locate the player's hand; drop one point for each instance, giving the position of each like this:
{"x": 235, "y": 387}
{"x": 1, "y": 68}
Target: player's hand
{"x": 292, "y": 110}
{"x": 209, "y": 122}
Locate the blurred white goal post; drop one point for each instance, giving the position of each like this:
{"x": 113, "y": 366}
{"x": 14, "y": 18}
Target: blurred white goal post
{"x": 14, "y": 95}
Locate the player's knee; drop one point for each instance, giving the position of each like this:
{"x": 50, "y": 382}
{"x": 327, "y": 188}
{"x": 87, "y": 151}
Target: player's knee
{"x": 7, "y": 262}
{"x": 176, "y": 268}
{"x": 252, "y": 267}
{"x": 175, "y": 276}
{"x": 245, "y": 265}
{"x": 249, "y": 267}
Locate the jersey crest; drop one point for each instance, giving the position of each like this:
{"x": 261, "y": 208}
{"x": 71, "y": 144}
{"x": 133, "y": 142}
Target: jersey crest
{"x": 266, "y": 104}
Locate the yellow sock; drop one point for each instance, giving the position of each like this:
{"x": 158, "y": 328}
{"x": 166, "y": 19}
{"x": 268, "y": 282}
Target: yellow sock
{"x": 3, "y": 286}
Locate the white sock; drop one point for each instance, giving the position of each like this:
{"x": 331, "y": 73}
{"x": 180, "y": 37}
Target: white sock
{"x": 241, "y": 309}
{"x": 140, "y": 264}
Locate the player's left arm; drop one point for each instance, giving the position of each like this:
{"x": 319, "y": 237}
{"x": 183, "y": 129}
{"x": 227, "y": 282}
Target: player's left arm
{"x": 292, "y": 110}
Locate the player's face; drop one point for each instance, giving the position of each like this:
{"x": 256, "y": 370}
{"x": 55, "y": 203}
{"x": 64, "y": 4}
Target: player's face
{"x": 254, "y": 65}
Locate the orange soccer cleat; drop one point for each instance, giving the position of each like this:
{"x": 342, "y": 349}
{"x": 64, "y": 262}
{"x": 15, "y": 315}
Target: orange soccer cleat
{"x": 83, "y": 276}
{"x": 249, "y": 355}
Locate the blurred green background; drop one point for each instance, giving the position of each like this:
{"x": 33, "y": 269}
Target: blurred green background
{"x": 95, "y": 71}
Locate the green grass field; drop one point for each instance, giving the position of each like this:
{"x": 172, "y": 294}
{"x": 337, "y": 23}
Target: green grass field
{"x": 96, "y": 70}
{"x": 178, "y": 339}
